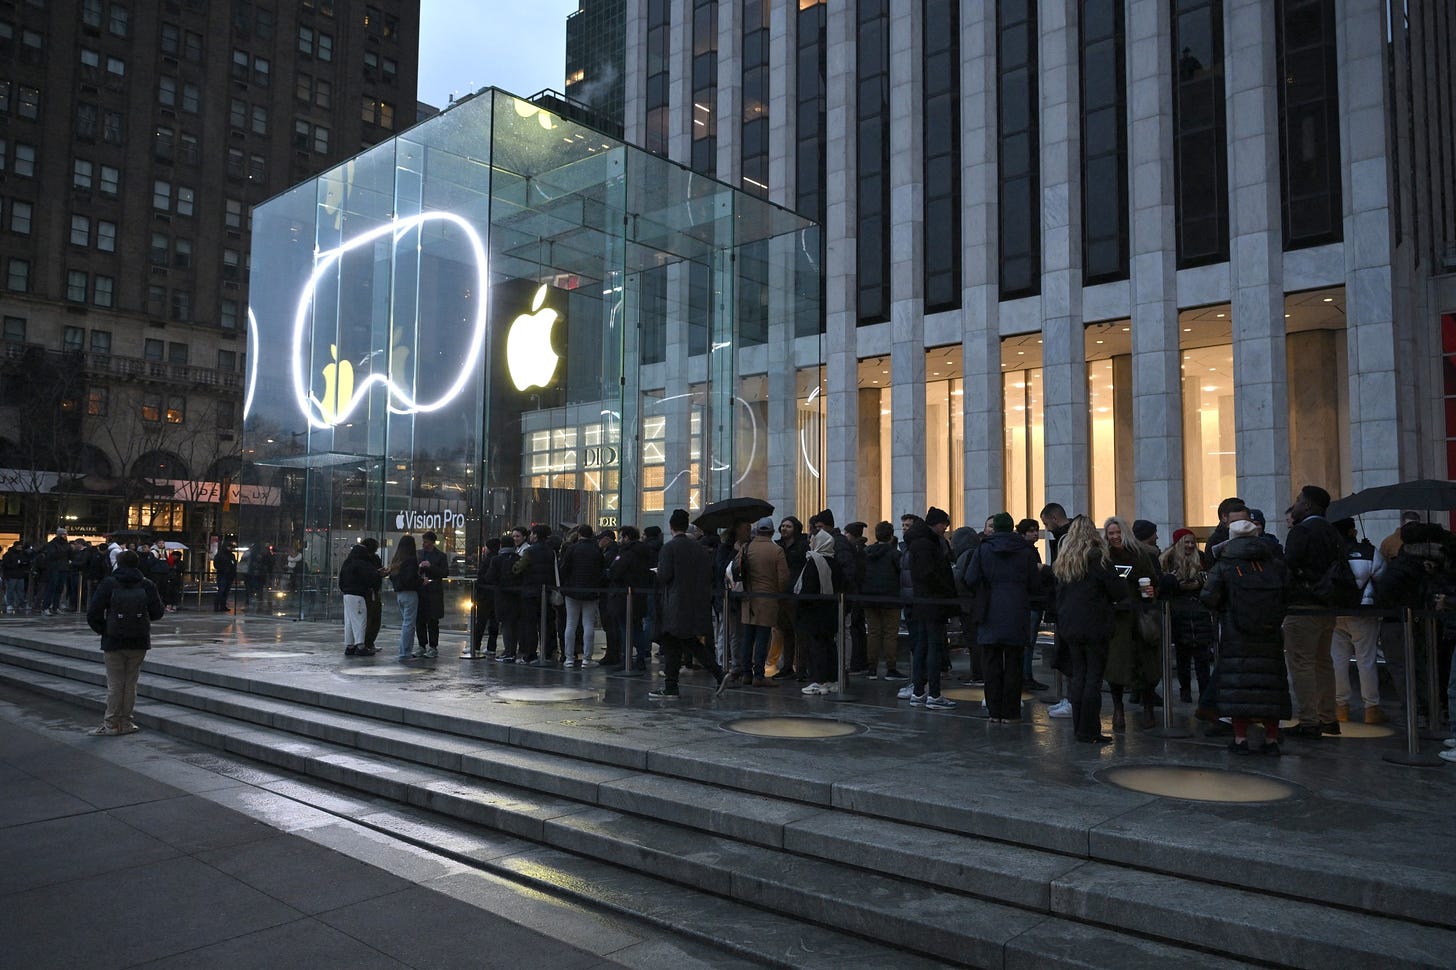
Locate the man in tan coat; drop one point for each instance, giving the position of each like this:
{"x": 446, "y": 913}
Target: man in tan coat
{"x": 764, "y": 572}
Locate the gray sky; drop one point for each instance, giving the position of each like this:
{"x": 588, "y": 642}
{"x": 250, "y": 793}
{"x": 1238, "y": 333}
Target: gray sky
{"x": 518, "y": 45}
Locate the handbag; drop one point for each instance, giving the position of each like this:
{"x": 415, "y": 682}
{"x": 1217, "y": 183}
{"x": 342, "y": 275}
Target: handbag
{"x": 1150, "y": 626}
{"x": 557, "y": 597}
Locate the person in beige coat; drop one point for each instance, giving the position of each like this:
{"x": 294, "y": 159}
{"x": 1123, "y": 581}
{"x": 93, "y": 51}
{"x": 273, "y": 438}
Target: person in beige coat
{"x": 764, "y": 572}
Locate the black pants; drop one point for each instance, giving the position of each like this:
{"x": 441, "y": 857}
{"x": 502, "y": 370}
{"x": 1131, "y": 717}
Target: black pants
{"x": 428, "y": 631}
{"x": 485, "y": 623}
{"x": 1089, "y": 662}
{"x": 1003, "y": 680}
{"x": 858, "y": 639}
{"x": 373, "y": 618}
{"x": 612, "y": 625}
{"x": 673, "y": 649}
{"x": 224, "y": 586}
{"x": 528, "y": 627}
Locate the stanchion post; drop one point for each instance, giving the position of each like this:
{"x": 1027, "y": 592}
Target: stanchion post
{"x": 1412, "y": 756}
{"x": 629, "y": 645}
{"x": 845, "y": 645}
{"x": 1168, "y": 730}
{"x": 1433, "y": 671}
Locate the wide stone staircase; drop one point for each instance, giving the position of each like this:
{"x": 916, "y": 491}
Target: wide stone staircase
{"x": 755, "y": 854}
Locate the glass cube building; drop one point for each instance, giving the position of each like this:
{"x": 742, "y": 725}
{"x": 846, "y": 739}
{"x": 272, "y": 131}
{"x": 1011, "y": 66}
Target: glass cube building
{"x": 501, "y": 317}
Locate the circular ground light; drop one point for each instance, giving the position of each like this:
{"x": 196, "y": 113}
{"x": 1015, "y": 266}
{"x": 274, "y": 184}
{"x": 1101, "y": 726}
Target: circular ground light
{"x": 264, "y": 654}
{"x": 546, "y": 695}
{"x": 793, "y": 727}
{"x": 380, "y": 671}
{"x": 976, "y": 694}
{"x": 1198, "y": 784}
{"x": 1353, "y": 729}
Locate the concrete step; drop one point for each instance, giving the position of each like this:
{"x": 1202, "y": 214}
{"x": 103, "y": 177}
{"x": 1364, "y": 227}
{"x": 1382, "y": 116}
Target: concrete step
{"x": 904, "y": 913}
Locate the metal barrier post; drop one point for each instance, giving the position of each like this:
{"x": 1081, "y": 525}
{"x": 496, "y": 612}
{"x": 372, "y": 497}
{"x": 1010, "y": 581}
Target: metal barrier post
{"x": 1168, "y": 729}
{"x": 1412, "y": 756}
{"x": 541, "y": 630}
{"x": 845, "y": 645}
{"x": 1433, "y": 672}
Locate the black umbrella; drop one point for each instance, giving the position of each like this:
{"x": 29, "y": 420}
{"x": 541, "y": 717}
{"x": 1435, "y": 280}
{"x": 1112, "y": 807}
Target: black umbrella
{"x": 1428, "y": 494}
{"x": 731, "y": 511}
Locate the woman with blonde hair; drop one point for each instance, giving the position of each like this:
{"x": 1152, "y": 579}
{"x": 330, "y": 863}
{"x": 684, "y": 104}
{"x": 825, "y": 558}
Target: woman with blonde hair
{"x": 1184, "y": 570}
{"x": 1088, "y": 587}
{"x": 1132, "y": 659}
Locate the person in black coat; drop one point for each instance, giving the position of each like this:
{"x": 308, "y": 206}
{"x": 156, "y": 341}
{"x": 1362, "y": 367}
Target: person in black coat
{"x": 796, "y": 548}
{"x": 434, "y": 569}
{"x": 225, "y": 563}
{"x": 934, "y": 600}
{"x": 1310, "y": 549}
{"x": 404, "y": 574}
{"x": 613, "y": 623}
{"x": 1183, "y": 569}
{"x": 503, "y": 578}
{"x": 1003, "y": 572}
{"x": 582, "y": 575}
{"x": 1088, "y": 589}
{"x": 685, "y": 573}
{"x": 358, "y": 578}
{"x": 122, "y": 611}
{"x": 537, "y": 570}
{"x": 632, "y": 571}
{"x": 821, "y": 579}
{"x": 482, "y": 601}
{"x": 1250, "y": 678}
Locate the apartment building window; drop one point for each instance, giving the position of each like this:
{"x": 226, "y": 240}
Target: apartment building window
{"x": 105, "y": 236}
{"x": 156, "y": 300}
{"x": 80, "y": 230}
{"x": 228, "y": 314}
{"x": 236, "y": 163}
{"x": 224, "y": 413}
{"x": 162, "y": 195}
{"x": 15, "y": 330}
{"x": 181, "y": 306}
{"x": 325, "y": 50}
{"x": 1018, "y": 146}
{"x": 115, "y": 71}
{"x": 151, "y": 407}
{"x": 705, "y": 87}
{"x": 112, "y": 130}
{"x": 90, "y": 62}
{"x": 262, "y": 71}
{"x": 164, "y": 143}
{"x": 24, "y": 160}
{"x": 152, "y": 350}
{"x": 263, "y": 24}
{"x": 91, "y": 13}
{"x": 658, "y": 23}
{"x": 20, "y": 215}
{"x": 260, "y": 120}
{"x": 1309, "y": 123}
{"x": 227, "y": 361}
{"x": 85, "y": 120}
{"x": 240, "y": 65}
{"x": 192, "y": 47}
{"x": 110, "y": 183}
{"x": 188, "y": 149}
{"x": 77, "y": 284}
{"x": 98, "y": 400}
{"x": 27, "y": 104}
{"x": 120, "y": 22}
{"x": 186, "y": 198}
{"x": 160, "y": 252}
{"x": 73, "y": 339}
{"x": 754, "y": 140}
{"x": 100, "y": 341}
{"x": 171, "y": 39}
{"x": 1104, "y": 143}
{"x": 320, "y": 139}
{"x": 81, "y": 174}
{"x": 4, "y": 152}
{"x": 167, "y": 91}
{"x": 257, "y": 166}
{"x": 388, "y": 69}
{"x": 1200, "y": 150}
{"x": 191, "y": 98}
{"x": 233, "y": 214}
{"x": 182, "y": 254}
{"x": 238, "y": 114}
{"x": 231, "y": 263}
{"x": 103, "y": 289}
{"x": 872, "y": 136}
{"x": 941, "y": 80}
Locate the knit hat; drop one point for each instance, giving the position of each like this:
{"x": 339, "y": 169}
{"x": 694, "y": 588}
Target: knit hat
{"x": 825, "y": 517}
{"x": 370, "y": 543}
{"x": 935, "y": 516}
{"x": 1001, "y": 522}
{"x": 765, "y": 525}
{"x": 678, "y": 521}
{"x": 1178, "y": 535}
{"x": 1242, "y": 527}
{"x": 1143, "y": 530}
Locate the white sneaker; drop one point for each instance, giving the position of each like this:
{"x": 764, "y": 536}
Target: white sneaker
{"x": 1062, "y": 708}
{"x": 917, "y": 700}
{"x": 938, "y": 703}
{"x": 1449, "y": 743}
{"x": 812, "y": 689}
{"x": 829, "y": 688}
{"x": 905, "y": 693}
{"x": 1448, "y": 755}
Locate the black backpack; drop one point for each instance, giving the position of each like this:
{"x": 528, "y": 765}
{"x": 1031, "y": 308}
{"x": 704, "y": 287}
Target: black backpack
{"x": 1338, "y": 587}
{"x": 1257, "y": 600}
{"x": 126, "y": 614}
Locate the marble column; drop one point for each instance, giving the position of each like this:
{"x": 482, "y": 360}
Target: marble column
{"x": 841, "y": 467}
{"x": 907, "y": 244}
{"x": 780, "y": 436}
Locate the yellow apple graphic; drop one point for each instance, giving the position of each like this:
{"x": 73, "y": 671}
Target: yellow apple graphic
{"x": 338, "y": 385}
{"x": 529, "y": 356}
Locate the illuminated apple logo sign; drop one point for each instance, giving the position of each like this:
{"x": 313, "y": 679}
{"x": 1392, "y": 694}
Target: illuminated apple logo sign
{"x": 529, "y": 356}
{"x": 400, "y": 524}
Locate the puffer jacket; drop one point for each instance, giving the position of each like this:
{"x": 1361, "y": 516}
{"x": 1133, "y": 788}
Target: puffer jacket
{"x": 1003, "y": 573}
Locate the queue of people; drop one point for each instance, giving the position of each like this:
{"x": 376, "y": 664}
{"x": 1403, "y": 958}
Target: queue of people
{"x": 60, "y": 575}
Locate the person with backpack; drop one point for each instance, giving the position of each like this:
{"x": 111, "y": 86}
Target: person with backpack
{"x": 881, "y": 589}
{"x": 1319, "y": 577}
{"x": 1247, "y": 587}
{"x": 122, "y": 611}
{"x": 1358, "y": 636}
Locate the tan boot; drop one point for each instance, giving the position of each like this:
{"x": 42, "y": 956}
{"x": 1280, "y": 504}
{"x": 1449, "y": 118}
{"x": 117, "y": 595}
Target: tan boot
{"x": 1342, "y": 712}
{"x": 1374, "y": 715}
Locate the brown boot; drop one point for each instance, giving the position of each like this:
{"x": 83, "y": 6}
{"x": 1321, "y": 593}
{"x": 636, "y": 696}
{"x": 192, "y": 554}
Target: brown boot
{"x": 1342, "y": 712}
{"x": 1149, "y": 717}
{"x": 1374, "y": 715}
{"x": 1119, "y": 719}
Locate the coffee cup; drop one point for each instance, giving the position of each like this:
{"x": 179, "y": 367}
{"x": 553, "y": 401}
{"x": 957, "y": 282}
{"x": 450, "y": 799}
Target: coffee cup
{"x": 1145, "y": 588}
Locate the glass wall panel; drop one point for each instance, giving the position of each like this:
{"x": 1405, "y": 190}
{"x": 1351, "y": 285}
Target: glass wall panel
{"x": 1109, "y": 417}
{"x": 1104, "y": 142}
{"x": 1200, "y": 150}
{"x": 1018, "y": 148}
{"x": 944, "y": 435}
{"x": 872, "y": 166}
{"x": 1316, "y": 363}
{"x": 875, "y": 439}
{"x": 810, "y": 421}
{"x": 941, "y": 82}
{"x": 1025, "y": 442}
{"x": 1210, "y": 467}
{"x": 1309, "y": 123}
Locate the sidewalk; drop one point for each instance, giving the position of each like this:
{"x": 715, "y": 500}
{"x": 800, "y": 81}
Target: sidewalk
{"x": 102, "y": 866}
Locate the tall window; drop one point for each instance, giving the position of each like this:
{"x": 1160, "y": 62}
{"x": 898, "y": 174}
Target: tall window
{"x": 1104, "y": 143}
{"x": 1309, "y": 123}
{"x": 942, "y": 155}
{"x": 658, "y": 20}
{"x": 872, "y": 133}
{"x": 1200, "y": 152}
{"x": 755, "y": 97}
{"x": 810, "y": 61}
{"x": 705, "y": 86}
{"x": 1018, "y": 146}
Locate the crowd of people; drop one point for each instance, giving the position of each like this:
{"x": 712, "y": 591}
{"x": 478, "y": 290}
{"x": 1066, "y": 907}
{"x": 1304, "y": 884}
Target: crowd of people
{"x": 61, "y": 575}
{"x": 1260, "y": 631}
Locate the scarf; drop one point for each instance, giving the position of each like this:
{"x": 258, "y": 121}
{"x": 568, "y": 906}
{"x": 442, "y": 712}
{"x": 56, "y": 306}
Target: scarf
{"x": 821, "y": 547}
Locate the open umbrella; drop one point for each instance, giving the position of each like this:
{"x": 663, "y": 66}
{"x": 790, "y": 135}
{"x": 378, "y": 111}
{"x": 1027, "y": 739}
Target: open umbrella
{"x": 173, "y": 545}
{"x": 730, "y": 511}
{"x": 1427, "y": 494}
{"x": 131, "y": 535}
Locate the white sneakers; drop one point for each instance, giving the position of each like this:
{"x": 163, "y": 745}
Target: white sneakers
{"x": 1450, "y": 753}
{"x": 905, "y": 693}
{"x": 1062, "y": 708}
{"x": 816, "y": 689}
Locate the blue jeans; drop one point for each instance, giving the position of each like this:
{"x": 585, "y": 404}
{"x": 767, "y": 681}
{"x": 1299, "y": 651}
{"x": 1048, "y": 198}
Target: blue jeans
{"x": 1026, "y": 659}
{"x": 927, "y": 638}
{"x": 409, "y": 609}
{"x": 753, "y": 649}
{"x": 55, "y": 581}
{"x": 15, "y": 594}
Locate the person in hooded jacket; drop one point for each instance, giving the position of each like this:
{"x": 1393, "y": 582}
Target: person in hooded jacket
{"x": 881, "y": 590}
{"x": 821, "y": 579}
{"x": 1251, "y": 679}
{"x": 1003, "y": 571}
{"x": 358, "y": 579}
{"x": 1088, "y": 589}
{"x": 1183, "y": 568}
{"x": 963, "y": 545}
{"x": 764, "y": 572}
{"x": 503, "y": 578}
{"x": 124, "y": 640}
{"x": 582, "y": 574}
{"x": 482, "y": 600}
{"x": 795, "y": 545}
{"x": 935, "y": 599}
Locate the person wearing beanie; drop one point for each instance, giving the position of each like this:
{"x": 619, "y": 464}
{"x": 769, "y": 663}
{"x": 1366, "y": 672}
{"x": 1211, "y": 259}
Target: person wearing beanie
{"x": 685, "y": 577}
{"x": 583, "y": 574}
{"x": 764, "y": 572}
{"x": 1003, "y": 573}
{"x": 483, "y": 622}
{"x": 1183, "y": 571}
{"x": 935, "y": 517}
{"x": 933, "y": 600}
{"x": 1246, "y": 588}
{"x": 1312, "y": 549}
{"x": 1147, "y": 533}
{"x": 359, "y": 579}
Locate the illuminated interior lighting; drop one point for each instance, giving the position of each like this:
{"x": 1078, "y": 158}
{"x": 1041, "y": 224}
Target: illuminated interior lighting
{"x": 400, "y": 401}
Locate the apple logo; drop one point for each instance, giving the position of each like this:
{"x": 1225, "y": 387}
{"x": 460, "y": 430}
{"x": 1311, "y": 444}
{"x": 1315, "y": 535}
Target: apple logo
{"x": 399, "y": 522}
{"x": 338, "y": 385}
{"x": 529, "y": 356}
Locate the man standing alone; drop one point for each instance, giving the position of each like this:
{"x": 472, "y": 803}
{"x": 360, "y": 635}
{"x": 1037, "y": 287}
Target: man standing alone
{"x": 685, "y": 574}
